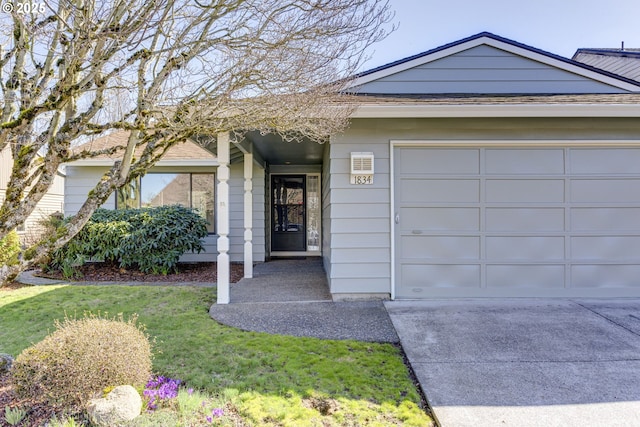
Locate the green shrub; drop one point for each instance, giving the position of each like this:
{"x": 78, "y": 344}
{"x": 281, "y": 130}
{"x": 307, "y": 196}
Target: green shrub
{"x": 82, "y": 358}
{"x": 14, "y": 416}
{"x": 150, "y": 239}
{"x": 9, "y": 248}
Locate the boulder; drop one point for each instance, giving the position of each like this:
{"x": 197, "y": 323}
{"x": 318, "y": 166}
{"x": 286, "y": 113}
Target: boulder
{"x": 5, "y": 363}
{"x": 122, "y": 404}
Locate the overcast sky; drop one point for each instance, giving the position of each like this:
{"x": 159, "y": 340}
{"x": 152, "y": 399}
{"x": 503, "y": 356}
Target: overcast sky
{"x": 557, "y": 26}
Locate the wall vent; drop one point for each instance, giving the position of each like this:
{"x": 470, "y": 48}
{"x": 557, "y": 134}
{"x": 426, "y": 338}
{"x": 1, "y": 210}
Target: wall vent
{"x": 361, "y": 168}
{"x": 361, "y": 163}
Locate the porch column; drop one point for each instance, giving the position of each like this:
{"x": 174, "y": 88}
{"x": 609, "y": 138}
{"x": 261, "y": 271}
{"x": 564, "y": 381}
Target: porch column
{"x": 222, "y": 197}
{"x": 248, "y": 215}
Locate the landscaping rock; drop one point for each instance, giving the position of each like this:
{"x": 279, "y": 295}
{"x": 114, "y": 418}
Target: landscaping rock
{"x": 121, "y": 405}
{"x": 5, "y": 363}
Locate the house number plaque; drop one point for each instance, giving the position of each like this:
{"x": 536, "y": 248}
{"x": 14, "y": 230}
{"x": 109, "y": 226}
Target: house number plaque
{"x": 361, "y": 179}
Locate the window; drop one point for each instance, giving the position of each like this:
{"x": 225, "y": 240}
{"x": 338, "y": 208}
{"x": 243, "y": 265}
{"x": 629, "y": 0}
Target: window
{"x": 192, "y": 190}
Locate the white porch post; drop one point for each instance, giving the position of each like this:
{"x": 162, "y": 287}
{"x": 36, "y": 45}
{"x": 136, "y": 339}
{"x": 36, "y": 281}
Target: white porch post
{"x": 248, "y": 215}
{"x": 222, "y": 195}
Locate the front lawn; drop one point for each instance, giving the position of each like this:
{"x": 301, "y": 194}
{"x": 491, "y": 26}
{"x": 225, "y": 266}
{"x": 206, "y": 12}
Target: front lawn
{"x": 261, "y": 379}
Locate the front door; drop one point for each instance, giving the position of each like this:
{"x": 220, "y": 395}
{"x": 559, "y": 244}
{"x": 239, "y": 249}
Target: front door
{"x": 288, "y": 219}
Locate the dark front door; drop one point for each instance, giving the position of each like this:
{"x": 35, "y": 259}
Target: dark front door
{"x": 288, "y": 223}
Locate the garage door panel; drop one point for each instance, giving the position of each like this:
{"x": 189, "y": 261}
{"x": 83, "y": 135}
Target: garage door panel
{"x": 605, "y": 161}
{"x": 530, "y": 222}
{"x": 521, "y": 191}
{"x": 605, "y": 191}
{"x": 440, "y": 247}
{"x": 605, "y": 247}
{"x": 525, "y": 248}
{"x": 423, "y": 276}
{"x": 440, "y": 190}
{"x": 440, "y": 161}
{"x": 524, "y": 219}
{"x": 605, "y": 219}
{"x": 524, "y": 162}
{"x": 438, "y": 219}
{"x": 605, "y": 276}
{"x": 525, "y": 276}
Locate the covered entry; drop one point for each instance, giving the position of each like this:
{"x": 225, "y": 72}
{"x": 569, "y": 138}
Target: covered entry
{"x": 295, "y": 217}
{"x": 516, "y": 221}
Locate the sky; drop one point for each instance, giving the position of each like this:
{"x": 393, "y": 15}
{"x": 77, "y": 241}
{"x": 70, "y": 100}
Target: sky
{"x": 556, "y": 26}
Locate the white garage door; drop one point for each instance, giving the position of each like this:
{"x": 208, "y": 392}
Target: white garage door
{"x": 516, "y": 222}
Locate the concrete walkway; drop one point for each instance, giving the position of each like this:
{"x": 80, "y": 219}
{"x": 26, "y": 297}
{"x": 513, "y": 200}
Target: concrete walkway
{"x": 525, "y": 362}
{"x": 291, "y": 297}
{"x": 28, "y": 278}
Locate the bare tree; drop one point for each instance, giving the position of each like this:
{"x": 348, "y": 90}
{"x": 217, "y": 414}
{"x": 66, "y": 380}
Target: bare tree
{"x": 165, "y": 71}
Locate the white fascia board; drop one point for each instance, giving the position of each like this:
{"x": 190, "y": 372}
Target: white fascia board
{"x": 161, "y": 163}
{"x": 515, "y": 143}
{"x": 485, "y": 110}
{"x": 516, "y": 50}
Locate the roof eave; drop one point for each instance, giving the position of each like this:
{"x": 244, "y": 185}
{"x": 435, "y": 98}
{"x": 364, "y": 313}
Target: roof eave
{"x": 161, "y": 163}
{"x": 378, "y": 111}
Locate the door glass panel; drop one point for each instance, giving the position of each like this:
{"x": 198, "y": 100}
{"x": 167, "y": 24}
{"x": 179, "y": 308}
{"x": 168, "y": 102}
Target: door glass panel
{"x": 288, "y": 201}
{"x": 313, "y": 212}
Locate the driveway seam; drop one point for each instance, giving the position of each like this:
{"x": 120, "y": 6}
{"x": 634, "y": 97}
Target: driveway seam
{"x": 607, "y": 318}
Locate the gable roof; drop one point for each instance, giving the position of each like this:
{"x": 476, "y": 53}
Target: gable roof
{"x": 624, "y": 62}
{"x": 187, "y": 153}
{"x": 587, "y": 79}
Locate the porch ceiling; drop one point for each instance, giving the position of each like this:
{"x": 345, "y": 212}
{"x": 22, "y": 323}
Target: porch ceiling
{"x": 278, "y": 152}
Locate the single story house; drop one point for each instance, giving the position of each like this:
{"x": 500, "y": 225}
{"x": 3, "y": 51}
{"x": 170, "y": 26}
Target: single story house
{"x": 481, "y": 168}
{"x": 51, "y": 203}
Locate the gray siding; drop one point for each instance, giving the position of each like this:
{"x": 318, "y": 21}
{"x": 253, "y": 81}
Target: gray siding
{"x": 80, "y": 180}
{"x": 357, "y": 219}
{"x": 485, "y": 69}
{"x": 358, "y": 225}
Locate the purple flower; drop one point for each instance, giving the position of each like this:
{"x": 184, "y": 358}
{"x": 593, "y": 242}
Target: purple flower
{"x": 160, "y": 388}
{"x": 218, "y": 412}
{"x": 209, "y": 419}
{"x": 190, "y": 391}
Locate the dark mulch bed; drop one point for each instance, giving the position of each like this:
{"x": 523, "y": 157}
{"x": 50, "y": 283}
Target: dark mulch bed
{"x": 37, "y": 414}
{"x": 205, "y": 272}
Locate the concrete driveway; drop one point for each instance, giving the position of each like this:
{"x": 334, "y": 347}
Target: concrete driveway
{"x": 525, "y": 362}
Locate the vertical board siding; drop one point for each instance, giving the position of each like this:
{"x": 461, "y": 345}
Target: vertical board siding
{"x": 81, "y": 179}
{"x": 485, "y": 69}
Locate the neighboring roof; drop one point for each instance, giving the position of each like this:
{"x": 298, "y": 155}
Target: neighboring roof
{"x": 624, "y": 62}
{"x": 187, "y": 153}
{"x": 488, "y": 39}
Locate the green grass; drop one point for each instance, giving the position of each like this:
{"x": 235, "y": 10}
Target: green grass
{"x": 265, "y": 379}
